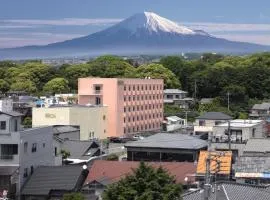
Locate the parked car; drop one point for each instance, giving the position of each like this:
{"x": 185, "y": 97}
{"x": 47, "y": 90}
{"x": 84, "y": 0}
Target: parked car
{"x": 138, "y": 137}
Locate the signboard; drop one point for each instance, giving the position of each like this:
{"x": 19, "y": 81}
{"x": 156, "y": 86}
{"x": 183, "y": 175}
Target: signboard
{"x": 49, "y": 115}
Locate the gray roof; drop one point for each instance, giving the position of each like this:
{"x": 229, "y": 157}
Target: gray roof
{"x": 252, "y": 164}
{"x": 80, "y": 149}
{"x": 262, "y": 106}
{"x": 12, "y": 113}
{"x": 258, "y": 145}
{"x": 174, "y": 91}
{"x": 206, "y": 100}
{"x": 214, "y": 116}
{"x": 232, "y": 191}
{"x": 169, "y": 141}
{"x": 45, "y": 179}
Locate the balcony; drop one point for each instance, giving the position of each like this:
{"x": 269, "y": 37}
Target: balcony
{"x": 9, "y": 160}
{"x": 6, "y": 157}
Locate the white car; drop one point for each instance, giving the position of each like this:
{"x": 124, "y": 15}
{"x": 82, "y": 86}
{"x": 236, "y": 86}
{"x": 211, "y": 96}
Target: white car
{"x": 138, "y": 137}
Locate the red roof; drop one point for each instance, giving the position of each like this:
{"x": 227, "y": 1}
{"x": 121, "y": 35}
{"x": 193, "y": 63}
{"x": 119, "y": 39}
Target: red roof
{"x": 112, "y": 171}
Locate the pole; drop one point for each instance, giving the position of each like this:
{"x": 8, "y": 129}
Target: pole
{"x": 186, "y": 119}
{"x": 228, "y": 98}
{"x": 195, "y": 90}
{"x": 229, "y": 135}
{"x": 208, "y": 170}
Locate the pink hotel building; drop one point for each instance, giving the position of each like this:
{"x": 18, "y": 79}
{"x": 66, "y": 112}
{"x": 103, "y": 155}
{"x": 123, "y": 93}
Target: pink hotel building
{"x": 134, "y": 105}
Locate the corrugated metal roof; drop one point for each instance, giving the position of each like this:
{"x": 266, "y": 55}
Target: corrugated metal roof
{"x": 174, "y": 91}
{"x": 262, "y": 106}
{"x": 174, "y": 118}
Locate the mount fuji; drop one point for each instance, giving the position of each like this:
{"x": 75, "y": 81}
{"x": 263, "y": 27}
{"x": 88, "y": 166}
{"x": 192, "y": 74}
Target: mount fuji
{"x": 142, "y": 33}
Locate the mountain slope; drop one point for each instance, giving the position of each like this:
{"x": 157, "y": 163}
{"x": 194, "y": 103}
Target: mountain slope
{"x": 141, "y": 33}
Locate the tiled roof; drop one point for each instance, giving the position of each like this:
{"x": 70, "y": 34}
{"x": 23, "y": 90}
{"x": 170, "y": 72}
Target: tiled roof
{"x": 232, "y": 191}
{"x": 169, "y": 141}
{"x": 262, "y": 106}
{"x": 224, "y": 158}
{"x": 214, "y": 116}
{"x": 258, "y": 145}
{"x": 107, "y": 172}
{"x": 45, "y": 179}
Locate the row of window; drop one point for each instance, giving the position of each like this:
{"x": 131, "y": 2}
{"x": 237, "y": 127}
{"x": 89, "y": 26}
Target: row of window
{"x": 34, "y": 147}
{"x": 143, "y": 87}
{"x": 143, "y": 97}
{"x": 142, "y": 128}
{"x": 138, "y": 118}
{"x": 142, "y": 108}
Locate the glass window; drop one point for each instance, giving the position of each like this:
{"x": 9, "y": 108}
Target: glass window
{"x": 124, "y": 109}
{"x": 124, "y": 98}
{"x": 3, "y": 125}
{"x": 201, "y": 123}
{"x": 25, "y": 172}
{"x": 124, "y": 120}
{"x": 25, "y": 147}
{"x": 34, "y": 147}
{"x": 125, "y": 88}
{"x": 133, "y": 87}
{"x": 138, "y": 87}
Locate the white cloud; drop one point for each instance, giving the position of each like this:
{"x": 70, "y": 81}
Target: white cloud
{"x": 219, "y": 27}
{"x": 33, "y": 39}
{"x": 59, "y": 22}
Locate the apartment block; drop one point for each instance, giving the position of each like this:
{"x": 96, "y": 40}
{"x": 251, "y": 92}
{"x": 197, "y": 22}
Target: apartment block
{"x": 134, "y": 105}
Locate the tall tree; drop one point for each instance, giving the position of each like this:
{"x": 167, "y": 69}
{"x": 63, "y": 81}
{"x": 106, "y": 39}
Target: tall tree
{"x": 56, "y": 85}
{"x": 145, "y": 183}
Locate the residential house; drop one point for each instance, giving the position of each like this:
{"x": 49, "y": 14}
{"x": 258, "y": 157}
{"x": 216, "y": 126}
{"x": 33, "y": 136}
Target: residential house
{"x": 253, "y": 166}
{"x": 21, "y": 151}
{"x": 166, "y": 147}
{"x": 260, "y": 111}
{"x": 66, "y": 132}
{"x": 204, "y": 124}
{"x": 204, "y": 101}
{"x": 103, "y": 173}
{"x": 174, "y": 123}
{"x": 52, "y": 182}
{"x": 177, "y": 97}
{"x": 92, "y": 120}
{"x": 240, "y": 130}
{"x": 230, "y": 191}
{"x": 6, "y": 105}
{"x": 134, "y": 105}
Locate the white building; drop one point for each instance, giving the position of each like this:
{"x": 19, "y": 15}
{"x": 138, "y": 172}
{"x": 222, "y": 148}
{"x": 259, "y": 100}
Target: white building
{"x": 240, "y": 130}
{"x": 204, "y": 124}
{"x": 21, "y": 151}
{"x": 177, "y": 97}
{"x": 174, "y": 123}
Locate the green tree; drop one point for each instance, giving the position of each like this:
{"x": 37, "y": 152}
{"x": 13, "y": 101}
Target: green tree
{"x": 27, "y": 122}
{"x": 110, "y": 67}
{"x": 4, "y": 86}
{"x": 145, "y": 183}
{"x": 158, "y": 71}
{"x": 56, "y": 85}
{"x": 24, "y": 85}
{"x": 73, "y": 196}
{"x": 112, "y": 157}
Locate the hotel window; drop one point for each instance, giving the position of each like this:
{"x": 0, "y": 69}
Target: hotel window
{"x": 124, "y": 120}
{"x": 98, "y": 101}
{"x": 128, "y": 119}
{"x": 129, "y": 87}
{"x": 137, "y": 128}
{"x": 138, "y": 108}
{"x": 25, "y": 147}
{"x": 150, "y": 97}
{"x": 142, "y": 117}
{"x": 133, "y": 87}
{"x": 133, "y": 98}
{"x": 133, "y": 119}
{"x": 97, "y": 89}
{"x": 141, "y": 127}
{"x": 142, "y": 98}
{"x": 129, "y": 98}
{"x": 150, "y": 88}
{"x": 150, "y": 116}
{"x": 138, "y": 98}
{"x": 146, "y": 87}
{"x": 138, "y": 118}
{"x": 138, "y": 87}
{"x": 124, "y": 130}
{"x": 133, "y": 108}
{"x": 142, "y": 87}
{"x": 146, "y": 97}
{"x": 124, "y": 109}
{"x": 154, "y": 87}
{"x": 125, "y": 88}
{"x": 129, "y": 109}
{"x": 133, "y": 129}
{"x": 128, "y": 130}
{"x": 145, "y": 107}
{"x": 141, "y": 107}
{"x": 124, "y": 98}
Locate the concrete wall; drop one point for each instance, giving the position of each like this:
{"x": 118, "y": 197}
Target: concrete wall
{"x": 208, "y": 127}
{"x": 90, "y": 119}
{"x": 6, "y": 105}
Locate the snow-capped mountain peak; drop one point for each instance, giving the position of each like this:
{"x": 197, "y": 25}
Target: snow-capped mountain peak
{"x": 153, "y": 23}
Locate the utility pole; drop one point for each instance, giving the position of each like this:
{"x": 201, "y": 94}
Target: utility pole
{"x": 229, "y": 135}
{"x": 207, "y": 183}
{"x": 228, "y": 99}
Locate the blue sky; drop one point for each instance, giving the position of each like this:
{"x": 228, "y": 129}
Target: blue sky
{"x": 28, "y": 22}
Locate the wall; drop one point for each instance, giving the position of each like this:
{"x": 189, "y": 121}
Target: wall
{"x": 6, "y": 118}
{"x": 44, "y": 155}
{"x": 208, "y": 127}
{"x": 6, "y": 105}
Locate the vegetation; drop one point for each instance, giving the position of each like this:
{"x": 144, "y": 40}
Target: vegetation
{"x": 246, "y": 79}
{"x": 145, "y": 183}
{"x": 112, "y": 157}
{"x": 27, "y": 122}
{"x": 73, "y": 196}
{"x": 65, "y": 154}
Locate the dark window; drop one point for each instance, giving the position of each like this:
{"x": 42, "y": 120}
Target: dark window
{"x": 129, "y": 98}
{"x": 129, "y": 88}
{"x": 201, "y": 123}
{"x": 124, "y": 109}
{"x": 9, "y": 149}
{"x": 3, "y": 125}
{"x": 138, "y": 87}
{"x": 44, "y": 145}
{"x": 217, "y": 122}
{"x": 16, "y": 125}
{"x": 55, "y": 151}
{"x": 34, "y": 147}
{"x": 133, "y": 87}
{"x": 129, "y": 109}
{"x": 124, "y": 130}
{"x": 98, "y": 101}
{"x": 177, "y": 96}
{"x": 133, "y": 98}
{"x": 124, "y": 120}
{"x": 125, "y": 88}
{"x": 25, "y": 147}
{"x": 253, "y": 132}
{"x": 124, "y": 98}
{"x": 32, "y": 170}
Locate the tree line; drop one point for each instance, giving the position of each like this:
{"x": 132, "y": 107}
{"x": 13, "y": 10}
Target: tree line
{"x": 245, "y": 78}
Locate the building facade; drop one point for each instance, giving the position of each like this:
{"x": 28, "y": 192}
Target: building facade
{"x": 6, "y": 105}
{"x": 92, "y": 120}
{"x": 134, "y": 105}
{"x": 177, "y": 97}
{"x": 21, "y": 151}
